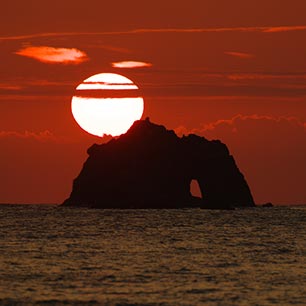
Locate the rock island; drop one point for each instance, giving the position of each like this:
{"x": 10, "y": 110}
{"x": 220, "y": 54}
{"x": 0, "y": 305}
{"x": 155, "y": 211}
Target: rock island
{"x": 151, "y": 167}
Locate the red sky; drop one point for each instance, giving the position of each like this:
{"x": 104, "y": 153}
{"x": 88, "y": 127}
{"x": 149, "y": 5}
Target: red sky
{"x": 232, "y": 70}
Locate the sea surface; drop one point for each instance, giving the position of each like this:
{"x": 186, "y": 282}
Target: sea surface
{"x": 60, "y": 256}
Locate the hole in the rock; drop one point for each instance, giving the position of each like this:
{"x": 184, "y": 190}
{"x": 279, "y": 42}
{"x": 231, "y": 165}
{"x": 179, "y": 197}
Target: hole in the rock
{"x": 195, "y": 189}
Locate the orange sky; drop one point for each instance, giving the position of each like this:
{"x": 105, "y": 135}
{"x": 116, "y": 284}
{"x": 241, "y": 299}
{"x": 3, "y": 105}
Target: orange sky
{"x": 233, "y": 70}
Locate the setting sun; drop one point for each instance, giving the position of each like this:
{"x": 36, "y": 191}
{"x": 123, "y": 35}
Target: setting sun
{"x": 107, "y": 104}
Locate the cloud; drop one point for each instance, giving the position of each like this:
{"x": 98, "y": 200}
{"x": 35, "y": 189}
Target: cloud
{"x": 265, "y": 76}
{"x": 262, "y": 29}
{"x": 131, "y": 64}
{"x": 240, "y": 54}
{"x": 18, "y": 84}
{"x": 234, "y": 122}
{"x": 285, "y": 29}
{"x": 40, "y": 136}
{"x": 51, "y": 55}
{"x": 196, "y": 84}
{"x": 10, "y": 87}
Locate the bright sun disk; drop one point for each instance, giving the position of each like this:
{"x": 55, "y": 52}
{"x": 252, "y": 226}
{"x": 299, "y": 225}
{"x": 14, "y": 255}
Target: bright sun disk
{"x": 97, "y": 108}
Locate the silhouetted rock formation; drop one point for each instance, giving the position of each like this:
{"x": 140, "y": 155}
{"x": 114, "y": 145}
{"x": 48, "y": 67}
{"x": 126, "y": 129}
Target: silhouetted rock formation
{"x": 151, "y": 167}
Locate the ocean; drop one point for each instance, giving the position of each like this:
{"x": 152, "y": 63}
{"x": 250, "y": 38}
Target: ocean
{"x": 52, "y": 255}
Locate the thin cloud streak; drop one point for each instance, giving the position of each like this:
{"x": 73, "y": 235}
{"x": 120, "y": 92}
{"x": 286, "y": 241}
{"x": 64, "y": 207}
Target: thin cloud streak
{"x": 41, "y": 136}
{"x": 242, "y": 55}
{"x": 51, "y": 55}
{"x": 285, "y": 29}
{"x": 10, "y": 87}
{"x": 239, "y": 117}
{"x": 198, "y": 84}
{"x": 131, "y": 64}
{"x": 262, "y": 29}
{"x": 265, "y": 76}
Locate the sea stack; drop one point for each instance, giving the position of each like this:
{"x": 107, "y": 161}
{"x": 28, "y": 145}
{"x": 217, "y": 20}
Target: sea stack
{"x": 151, "y": 167}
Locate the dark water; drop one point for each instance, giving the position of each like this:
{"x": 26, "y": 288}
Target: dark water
{"x": 58, "y": 256}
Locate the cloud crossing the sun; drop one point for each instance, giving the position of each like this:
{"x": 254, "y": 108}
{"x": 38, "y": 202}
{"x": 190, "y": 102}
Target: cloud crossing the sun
{"x": 51, "y": 55}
